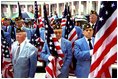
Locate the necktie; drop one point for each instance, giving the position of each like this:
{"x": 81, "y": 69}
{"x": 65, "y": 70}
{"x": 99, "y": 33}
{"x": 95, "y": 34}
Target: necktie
{"x": 17, "y": 53}
{"x": 6, "y": 29}
{"x": 93, "y": 26}
{"x": 90, "y": 45}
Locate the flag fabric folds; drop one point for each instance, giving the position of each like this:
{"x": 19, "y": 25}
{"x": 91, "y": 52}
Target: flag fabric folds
{"x": 70, "y": 34}
{"x": 7, "y": 67}
{"x": 13, "y": 36}
{"x": 35, "y": 15}
{"x": 40, "y": 21}
{"x": 52, "y": 69}
{"x": 63, "y": 22}
{"x": 36, "y": 40}
{"x": 19, "y": 8}
{"x": 36, "y": 10}
{"x": 64, "y": 18}
{"x": 70, "y": 31}
{"x": 105, "y": 47}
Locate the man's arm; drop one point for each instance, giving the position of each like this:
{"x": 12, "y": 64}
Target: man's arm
{"x": 79, "y": 53}
{"x": 44, "y": 54}
{"x": 33, "y": 62}
{"x": 68, "y": 56}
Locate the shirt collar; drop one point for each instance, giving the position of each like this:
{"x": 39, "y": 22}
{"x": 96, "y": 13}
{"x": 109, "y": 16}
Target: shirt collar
{"x": 87, "y": 38}
{"x": 92, "y": 23}
{"x": 60, "y": 40}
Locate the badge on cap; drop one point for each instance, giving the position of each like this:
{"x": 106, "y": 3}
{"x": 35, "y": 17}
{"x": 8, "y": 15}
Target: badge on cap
{"x": 85, "y": 26}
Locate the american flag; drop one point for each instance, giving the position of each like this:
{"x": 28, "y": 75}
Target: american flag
{"x": 37, "y": 18}
{"x": 65, "y": 12}
{"x": 13, "y": 36}
{"x": 40, "y": 21}
{"x": 35, "y": 24}
{"x": 35, "y": 15}
{"x": 36, "y": 10}
{"x": 71, "y": 35}
{"x": 105, "y": 47}
{"x": 63, "y": 22}
{"x": 35, "y": 38}
{"x": 52, "y": 69}
{"x": 7, "y": 67}
{"x": 19, "y": 8}
{"x": 64, "y": 18}
{"x": 52, "y": 21}
{"x": 70, "y": 31}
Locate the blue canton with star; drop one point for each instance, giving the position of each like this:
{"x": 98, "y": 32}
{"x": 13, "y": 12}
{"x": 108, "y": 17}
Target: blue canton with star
{"x": 106, "y": 10}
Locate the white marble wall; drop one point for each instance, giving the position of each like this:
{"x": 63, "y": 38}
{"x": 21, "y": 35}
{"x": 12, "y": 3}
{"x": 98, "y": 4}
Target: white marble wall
{"x": 76, "y": 6}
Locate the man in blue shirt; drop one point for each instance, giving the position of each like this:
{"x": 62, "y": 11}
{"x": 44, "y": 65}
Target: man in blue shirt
{"x": 83, "y": 49}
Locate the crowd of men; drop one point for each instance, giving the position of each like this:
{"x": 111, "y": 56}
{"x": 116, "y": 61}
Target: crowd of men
{"x": 19, "y": 32}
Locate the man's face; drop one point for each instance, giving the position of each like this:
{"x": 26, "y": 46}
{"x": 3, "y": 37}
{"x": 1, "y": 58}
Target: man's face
{"x": 77, "y": 23}
{"x": 88, "y": 32}
{"x": 20, "y": 37}
{"x": 19, "y": 23}
{"x": 6, "y": 23}
{"x": 58, "y": 33}
{"x": 93, "y": 18}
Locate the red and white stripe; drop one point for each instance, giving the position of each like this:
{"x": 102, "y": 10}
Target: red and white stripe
{"x": 41, "y": 44}
{"x": 40, "y": 21}
{"x": 7, "y": 68}
{"x": 57, "y": 46}
{"x": 51, "y": 21}
{"x": 53, "y": 68}
{"x": 63, "y": 22}
{"x": 105, "y": 48}
{"x": 35, "y": 25}
{"x": 40, "y": 48}
{"x": 73, "y": 37}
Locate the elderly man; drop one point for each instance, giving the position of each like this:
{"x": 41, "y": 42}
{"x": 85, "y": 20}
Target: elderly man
{"x": 83, "y": 50}
{"x": 24, "y": 56}
{"x": 93, "y": 19}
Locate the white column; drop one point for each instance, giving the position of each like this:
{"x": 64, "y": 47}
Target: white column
{"x": 9, "y": 11}
{"x": 87, "y": 8}
{"x": 79, "y": 7}
{"x": 72, "y": 8}
{"x": 98, "y": 8}
{"x": 63, "y": 8}
{"x": 64, "y": 5}
{"x": 90, "y": 6}
{"x": 34, "y": 7}
{"x": 26, "y": 9}
{"x": 49, "y": 9}
{"x": 57, "y": 10}
{"x": 42, "y": 11}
